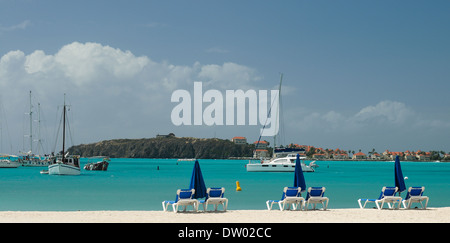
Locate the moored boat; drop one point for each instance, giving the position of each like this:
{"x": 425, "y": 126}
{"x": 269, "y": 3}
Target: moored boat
{"x": 31, "y": 160}
{"x": 283, "y": 158}
{"x": 65, "y": 164}
{"x": 100, "y": 165}
{"x": 283, "y": 164}
{"x": 6, "y": 161}
{"x": 69, "y": 165}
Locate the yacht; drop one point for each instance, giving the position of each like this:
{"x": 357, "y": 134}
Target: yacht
{"x": 282, "y": 164}
{"x": 283, "y": 158}
{"x": 31, "y": 160}
{"x": 6, "y": 162}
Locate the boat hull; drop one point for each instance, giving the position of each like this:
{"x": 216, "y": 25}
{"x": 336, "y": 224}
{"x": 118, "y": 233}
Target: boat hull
{"x": 35, "y": 163}
{"x": 273, "y": 167}
{"x": 9, "y": 164}
{"x": 102, "y": 166}
{"x": 63, "y": 169}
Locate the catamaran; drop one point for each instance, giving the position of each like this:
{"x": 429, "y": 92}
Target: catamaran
{"x": 283, "y": 164}
{"x": 283, "y": 159}
{"x": 65, "y": 164}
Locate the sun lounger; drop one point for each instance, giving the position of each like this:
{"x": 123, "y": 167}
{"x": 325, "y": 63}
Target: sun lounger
{"x": 387, "y": 195}
{"x": 215, "y": 197}
{"x": 414, "y": 195}
{"x": 291, "y": 196}
{"x": 315, "y": 196}
{"x": 184, "y": 199}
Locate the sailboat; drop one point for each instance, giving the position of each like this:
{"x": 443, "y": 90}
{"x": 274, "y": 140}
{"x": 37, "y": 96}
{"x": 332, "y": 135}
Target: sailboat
{"x": 65, "y": 164}
{"x": 283, "y": 158}
{"x": 29, "y": 158}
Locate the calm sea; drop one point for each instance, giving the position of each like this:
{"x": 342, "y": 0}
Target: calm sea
{"x": 142, "y": 184}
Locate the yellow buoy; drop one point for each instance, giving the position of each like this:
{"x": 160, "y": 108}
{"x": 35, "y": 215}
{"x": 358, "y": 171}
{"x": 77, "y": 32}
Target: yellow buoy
{"x": 238, "y": 187}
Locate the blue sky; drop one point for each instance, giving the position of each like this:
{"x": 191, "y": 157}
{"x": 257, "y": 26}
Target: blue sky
{"x": 357, "y": 74}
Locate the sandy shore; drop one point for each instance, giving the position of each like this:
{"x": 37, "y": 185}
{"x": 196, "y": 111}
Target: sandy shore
{"x": 430, "y": 215}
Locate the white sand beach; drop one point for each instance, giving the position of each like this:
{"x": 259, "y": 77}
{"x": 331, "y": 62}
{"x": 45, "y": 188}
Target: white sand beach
{"x": 355, "y": 215}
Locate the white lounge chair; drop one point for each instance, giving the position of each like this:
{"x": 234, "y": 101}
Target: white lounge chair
{"x": 315, "y": 196}
{"x": 291, "y": 196}
{"x": 184, "y": 199}
{"x": 414, "y": 195}
{"x": 215, "y": 197}
{"x": 387, "y": 195}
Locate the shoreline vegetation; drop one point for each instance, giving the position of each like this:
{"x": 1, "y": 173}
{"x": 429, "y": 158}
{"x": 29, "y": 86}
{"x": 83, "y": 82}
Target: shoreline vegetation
{"x": 169, "y": 146}
{"x": 165, "y": 147}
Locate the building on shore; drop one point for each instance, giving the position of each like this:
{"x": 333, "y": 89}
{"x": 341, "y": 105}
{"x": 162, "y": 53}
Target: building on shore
{"x": 359, "y": 156}
{"x": 261, "y": 150}
{"x": 239, "y": 140}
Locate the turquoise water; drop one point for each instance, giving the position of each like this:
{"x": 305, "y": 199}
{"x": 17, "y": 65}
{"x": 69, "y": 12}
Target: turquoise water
{"x": 137, "y": 184}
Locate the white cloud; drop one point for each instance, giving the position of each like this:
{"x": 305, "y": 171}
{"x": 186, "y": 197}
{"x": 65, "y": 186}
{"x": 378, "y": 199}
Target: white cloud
{"x": 385, "y": 112}
{"x": 384, "y": 124}
{"x": 107, "y": 85}
{"x": 21, "y": 26}
{"x": 228, "y": 76}
{"x": 90, "y": 62}
{"x": 11, "y": 61}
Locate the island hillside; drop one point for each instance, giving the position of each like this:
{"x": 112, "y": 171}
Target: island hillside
{"x": 165, "y": 147}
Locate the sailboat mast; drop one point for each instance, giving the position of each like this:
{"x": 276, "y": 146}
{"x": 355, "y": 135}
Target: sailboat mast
{"x": 31, "y": 126}
{"x": 64, "y": 127}
{"x": 278, "y": 112}
{"x": 39, "y": 129}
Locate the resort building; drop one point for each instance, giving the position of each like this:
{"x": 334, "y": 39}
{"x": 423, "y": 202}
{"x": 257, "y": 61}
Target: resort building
{"x": 447, "y": 157}
{"x": 261, "y": 144}
{"x": 375, "y": 156}
{"x": 359, "y": 155}
{"x": 391, "y": 155}
{"x": 319, "y": 156}
{"x": 261, "y": 153}
{"x": 424, "y": 156}
{"x": 410, "y": 156}
{"x": 340, "y": 156}
{"x": 261, "y": 149}
{"x": 239, "y": 140}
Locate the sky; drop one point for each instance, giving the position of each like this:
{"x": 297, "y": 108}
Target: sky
{"x": 356, "y": 74}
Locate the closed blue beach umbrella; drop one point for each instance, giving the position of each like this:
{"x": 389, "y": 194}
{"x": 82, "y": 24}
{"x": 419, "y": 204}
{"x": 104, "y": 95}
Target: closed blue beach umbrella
{"x": 197, "y": 182}
{"x": 299, "y": 179}
{"x": 399, "y": 179}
